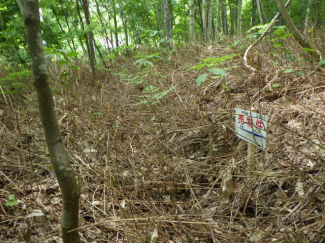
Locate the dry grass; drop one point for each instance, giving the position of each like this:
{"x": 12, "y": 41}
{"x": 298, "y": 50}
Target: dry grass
{"x": 159, "y": 168}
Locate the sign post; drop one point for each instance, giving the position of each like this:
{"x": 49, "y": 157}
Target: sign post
{"x": 251, "y": 127}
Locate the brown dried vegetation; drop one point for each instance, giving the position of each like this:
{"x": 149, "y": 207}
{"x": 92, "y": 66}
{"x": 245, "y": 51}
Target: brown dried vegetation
{"x": 157, "y": 170}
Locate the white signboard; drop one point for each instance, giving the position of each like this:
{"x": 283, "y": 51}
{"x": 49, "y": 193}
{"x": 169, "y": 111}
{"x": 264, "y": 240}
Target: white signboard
{"x": 251, "y": 127}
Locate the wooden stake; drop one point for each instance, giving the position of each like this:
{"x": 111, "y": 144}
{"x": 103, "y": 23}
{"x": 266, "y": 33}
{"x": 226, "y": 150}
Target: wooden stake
{"x": 251, "y": 153}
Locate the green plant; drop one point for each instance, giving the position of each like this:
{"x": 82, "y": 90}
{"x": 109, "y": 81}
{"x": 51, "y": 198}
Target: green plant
{"x": 145, "y": 60}
{"x": 152, "y": 96}
{"x": 12, "y": 201}
{"x": 11, "y": 83}
{"x": 64, "y": 60}
{"x": 216, "y": 73}
{"x": 212, "y": 61}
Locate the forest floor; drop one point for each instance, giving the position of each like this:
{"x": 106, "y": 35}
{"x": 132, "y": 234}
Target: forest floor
{"x": 159, "y": 166}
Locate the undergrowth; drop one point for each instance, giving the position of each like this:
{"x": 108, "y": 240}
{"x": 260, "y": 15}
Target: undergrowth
{"x": 154, "y": 149}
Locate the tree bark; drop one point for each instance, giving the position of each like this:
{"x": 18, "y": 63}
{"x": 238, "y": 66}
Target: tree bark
{"x": 310, "y": 2}
{"x": 204, "y": 19}
{"x": 126, "y": 35}
{"x": 115, "y": 24}
{"x": 217, "y": 18}
{"x": 239, "y": 17}
{"x": 263, "y": 11}
{"x": 169, "y": 34}
{"x": 253, "y": 19}
{"x": 259, "y": 12}
{"x": 224, "y": 18}
{"x": 209, "y": 30}
{"x": 232, "y": 18}
{"x": 192, "y": 20}
{"x": 296, "y": 33}
{"x": 90, "y": 37}
{"x": 59, "y": 158}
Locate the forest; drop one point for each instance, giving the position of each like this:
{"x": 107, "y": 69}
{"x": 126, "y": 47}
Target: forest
{"x": 162, "y": 121}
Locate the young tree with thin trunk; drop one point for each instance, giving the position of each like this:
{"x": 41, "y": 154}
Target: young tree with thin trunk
{"x": 209, "y": 29}
{"x": 59, "y": 158}
{"x": 259, "y": 12}
{"x": 90, "y": 37}
{"x": 224, "y": 17}
{"x": 310, "y": 2}
{"x": 169, "y": 34}
{"x": 301, "y": 39}
{"x": 239, "y": 17}
{"x": 117, "y": 44}
{"x": 192, "y": 20}
{"x": 217, "y": 18}
{"x": 232, "y": 11}
{"x": 205, "y": 10}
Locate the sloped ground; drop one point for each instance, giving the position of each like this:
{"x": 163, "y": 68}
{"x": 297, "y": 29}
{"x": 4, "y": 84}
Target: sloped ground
{"x": 155, "y": 171}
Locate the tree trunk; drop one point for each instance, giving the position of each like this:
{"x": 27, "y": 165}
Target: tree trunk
{"x": 115, "y": 24}
{"x": 169, "y": 34}
{"x": 258, "y": 5}
{"x": 232, "y": 18}
{"x": 224, "y": 18}
{"x": 103, "y": 25}
{"x": 126, "y": 36}
{"x": 192, "y": 20}
{"x": 59, "y": 23}
{"x": 297, "y": 35}
{"x": 263, "y": 11}
{"x": 209, "y": 30}
{"x": 90, "y": 37}
{"x": 217, "y": 18}
{"x": 253, "y": 19}
{"x": 59, "y": 158}
{"x": 204, "y": 19}
{"x": 239, "y": 17}
{"x": 310, "y": 2}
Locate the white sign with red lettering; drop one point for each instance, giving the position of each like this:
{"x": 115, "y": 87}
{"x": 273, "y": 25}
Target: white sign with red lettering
{"x": 251, "y": 127}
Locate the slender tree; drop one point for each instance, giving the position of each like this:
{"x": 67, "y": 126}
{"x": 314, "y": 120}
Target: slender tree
{"x": 90, "y": 37}
{"x": 310, "y": 2}
{"x": 59, "y": 158}
{"x": 169, "y": 34}
{"x": 217, "y": 19}
{"x": 300, "y": 38}
{"x": 209, "y": 27}
{"x": 205, "y": 10}
{"x": 259, "y": 12}
{"x": 224, "y": 17}
{"x": 192, "y": 20}
{"x": 117, "y": 44}
{"x": 232, "y": 8}
{"x": 239, "y": 17}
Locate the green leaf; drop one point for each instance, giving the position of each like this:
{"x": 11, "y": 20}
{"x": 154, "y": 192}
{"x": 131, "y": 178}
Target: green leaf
{"x": 276, "y": 85}
{"x": 277, "y": 45}
{"x": 218, "y": 71}
{"x": 111, "y": 56}
{"x": 201, "y": 79}
{"x": 72, "y": 54}
{"x": 309, "y": 49}
{"x": 97, "y": 114}
{"x": 197, "y": 67}
{"x": 288, "y": 70}
{"x": 12, "y": 201}
{"x": 150, "y": 89}
{"x": 62, "y": 62}
{"x": 299, "y": 73}
{"x": 74, "y": 67}
{"x": 321, "y": 63}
